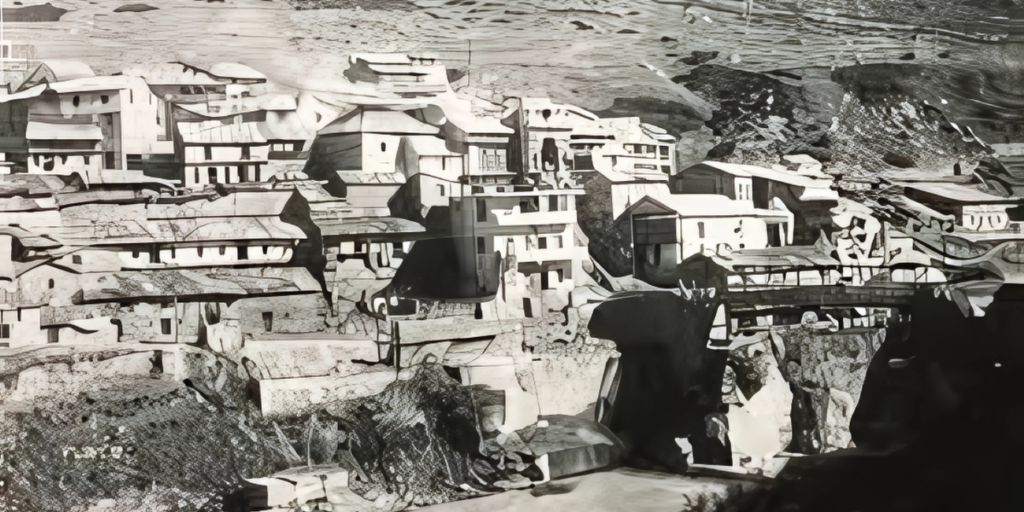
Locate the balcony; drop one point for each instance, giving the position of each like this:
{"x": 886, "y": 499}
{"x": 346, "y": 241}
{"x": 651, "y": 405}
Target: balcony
{"x": 515, "y": 217}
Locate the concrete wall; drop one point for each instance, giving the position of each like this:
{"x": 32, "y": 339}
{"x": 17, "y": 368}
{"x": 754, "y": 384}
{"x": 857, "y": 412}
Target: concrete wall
{"x": 739, "y": 233}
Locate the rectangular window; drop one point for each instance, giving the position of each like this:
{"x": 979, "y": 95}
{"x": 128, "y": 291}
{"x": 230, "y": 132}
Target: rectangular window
{"x": 243, "y": 252}
{"x": 544, "y": 281}
{"x": 245, "y": 153}
{"x": 481, "y": 245}
{"x": 563, "y": 203}
{"x": 257, "y": 175}
{"x": 53, "y": 335}
{"x": 86, "y": 159}
{"x": 481, "y": 210}
{"x": 207, "y": 153}
{"x": 560, "y": 273}
{"x": 552, "y": 203}
{"x": 5, "y": 331}
{"x": 211, "y": 175}
{"x": 242, "y": 172}
{"x": 76, "y": 259}
{"x": 165, "y": 326}
{"x": 700, "y": 229}
{"x": 154, "y": 255}
{"x": 542, "y": 242}
{"x": 664, "y": 151}
{"x": 268, "y": 321}
{"x": 557, "y": 241}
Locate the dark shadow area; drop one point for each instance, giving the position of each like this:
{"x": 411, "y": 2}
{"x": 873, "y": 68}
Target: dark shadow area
{"x": 432, "y": 271}
{"x": 939, "y": 423}
{"x": 670, "y": 381}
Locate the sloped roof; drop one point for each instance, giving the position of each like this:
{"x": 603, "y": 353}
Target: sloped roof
{"x": 215, "y": 131}
{"x": 30, "y": 184}
{"x": 959, "y": 193}
{"x": 238, "y": 204}
{"x": 183, "y": 283}
{"x": 21, "y": 204}
{"x": 364, "y": 120}
{"x": 235, "y": 70}
{"x": 29, "y": 239}
{"x": 368, "y": 226}
{"x": 125, "y": 177}
{"x": 697, "y": 205}
{"x": 171, "y": 73}
{"x": 371, "y": 178}
{"x": 59, "y": 131}
{"x": 817, "y": 255}
{"x": 206, "y": 229}
{"x": 817, "y": 189}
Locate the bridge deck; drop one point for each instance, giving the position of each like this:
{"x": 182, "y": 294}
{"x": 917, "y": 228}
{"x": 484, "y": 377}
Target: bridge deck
{"x": 888, "y": 295}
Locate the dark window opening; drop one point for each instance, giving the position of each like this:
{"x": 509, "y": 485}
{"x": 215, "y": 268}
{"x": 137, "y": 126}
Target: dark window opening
{"x": 197, "y": 175}
{"x": 174, "y": 253}
{"x": 207, "y": 152}
{"x": 481, "y": 245}
{"x": 268, "y": 321}
{"x": 481, "y": 210}
{"x": 104, "y": 99}
{"x": 222, "y": 250}
{"x": 52, "y": 335}
{"x": 245, "y": 153}
{"x": 265, "y": 249}
{"x": 154, "y": 255}
{"x": 560, "y": 273}
{"x": 50, "y": 283}
{"x": 165, "y": 326}
{"x": 243, "y": 252}
{"x": 75, "y": 101}
{"x": 76, "y": 259}
{"x": 86, "y": 158}
{"x": 700, "y": 229}
{"x": 552, "y": 203}
{"x": 527, "y": 308}
{"x": 199, "y": 252}
{"x": 211, "y": 175}
{"x": 5, "y": 331}
{"x": 478, "y": 312}
{"x": 544, "y": 284}
{"x": 383, "y": 147}
{"x": 542, "y": 242}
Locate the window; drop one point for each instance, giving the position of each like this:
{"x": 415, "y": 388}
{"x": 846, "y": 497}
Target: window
{"x": 245, "y": 153}
{"x": 257, "y": 174}
{"x": 664, "y": 151}
{"x": 542, "y": 242}
{"x": 104, "y": 99}
{"x": 76, "y": 259}
{"x": 165, "y": 326}
{"x": 544, "y": 281}
{"x": 242, "y": 172}
{"x": 481, "y": 210}
{"x": 557, "y": 241}
{"x": 207, "y": 153}
{"x": 265, "y": 249}
{"x": 154, "y": 255}
{"x": 268, "y": 321}
{"x": 52, "y": 335}
{"x": 552, "y": 203}
{"x": 481, "y": 245}
{"x": 199, "y": 252}
{"x": 5, "y": 331}
{"x": 184, "y": 90}
{"x": 75, "y": 101}
{"x": 383, "y": 147}
{"x": 173, "y": 253}
{"x": 560, "y": 273}
{"x": 131, "y": 96}
{"x": 86, "y": 159}
{"x": 50, "y": 284}
{"x": 222, "y": 250}
{"x": 211, "y": 175}
{"x": 19, "y": 314}
{"x": 492, "y": 160}
{"x": 196, "y": 180}
{"x": 700, "y": 230}
{"x": 243, "y": 252}
{"x": 527, "y": 309}
{"x": 667, "y": 169}
{"x": 440, "y": 190}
